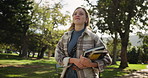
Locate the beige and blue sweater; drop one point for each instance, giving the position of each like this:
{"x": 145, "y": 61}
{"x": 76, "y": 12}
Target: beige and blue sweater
{"x": 86, "y": 41}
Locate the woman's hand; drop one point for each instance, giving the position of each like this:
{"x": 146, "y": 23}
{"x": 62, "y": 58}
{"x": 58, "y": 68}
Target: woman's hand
{"x": 87, "y": 62}
{"x": 82, "y": 62}
{"x": 77, "y": 62}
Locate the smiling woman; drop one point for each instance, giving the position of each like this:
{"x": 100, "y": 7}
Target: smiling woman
{"x": 70, "y": 49}
{"x": 80, "y": 19}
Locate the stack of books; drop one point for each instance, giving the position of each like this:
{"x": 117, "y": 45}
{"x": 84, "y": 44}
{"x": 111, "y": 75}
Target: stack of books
{"x": 95, "y": 53}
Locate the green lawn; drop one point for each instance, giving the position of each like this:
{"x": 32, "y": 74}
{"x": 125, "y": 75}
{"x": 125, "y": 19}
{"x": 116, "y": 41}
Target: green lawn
{"x": 113, "y": 71}
{"x": 11, "y": 66}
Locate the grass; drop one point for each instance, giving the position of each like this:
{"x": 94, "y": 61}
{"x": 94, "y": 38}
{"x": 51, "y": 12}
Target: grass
{"x": 114, "y": 72}
{"x": 12, "y": 66}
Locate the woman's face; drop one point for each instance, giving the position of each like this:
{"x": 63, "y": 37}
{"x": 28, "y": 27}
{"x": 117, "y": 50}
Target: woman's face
{"x": 79, "y": 17}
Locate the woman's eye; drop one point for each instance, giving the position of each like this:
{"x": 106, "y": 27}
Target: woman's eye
{"x": 81, "y": 13}
{"x": 75, "y": 14}
{"x": 78, "y": 14}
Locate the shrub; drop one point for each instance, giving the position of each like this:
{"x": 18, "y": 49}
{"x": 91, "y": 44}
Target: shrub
{"x": 133, "y": 56}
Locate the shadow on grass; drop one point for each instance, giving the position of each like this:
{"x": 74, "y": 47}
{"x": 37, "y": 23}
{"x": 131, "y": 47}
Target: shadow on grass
{"x": 27, "y": 72}
{"x": 34, "y": 68}
{"x": 8, "y": 56}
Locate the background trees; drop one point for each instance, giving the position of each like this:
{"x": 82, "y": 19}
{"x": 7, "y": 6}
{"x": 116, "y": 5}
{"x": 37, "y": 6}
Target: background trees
{"x": 144, "y": 48}
{"x": 14, "y": 15}
{"x": 29, "y": 27}
{"x": 32, "y": 28}
{"x": 14, "y": 22}
{"x": 47, "y": 19}
{"x": 119, "y": 16}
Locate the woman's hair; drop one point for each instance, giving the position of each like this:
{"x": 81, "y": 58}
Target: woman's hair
{"x": 87, "y": 17}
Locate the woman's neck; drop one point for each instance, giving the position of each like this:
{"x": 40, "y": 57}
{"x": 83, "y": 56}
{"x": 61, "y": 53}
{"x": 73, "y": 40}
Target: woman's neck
{"x": 79, "y": 27}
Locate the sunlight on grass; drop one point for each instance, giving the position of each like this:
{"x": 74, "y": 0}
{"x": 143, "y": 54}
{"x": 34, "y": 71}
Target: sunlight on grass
{"x": 114, "y": 71}
{"x": 14, "y": 62}
{"x": 41, "y": 72}
{"x": 14, "y": 75}
{"x": 27, "y": 62}
{"x": 137, "y": 66}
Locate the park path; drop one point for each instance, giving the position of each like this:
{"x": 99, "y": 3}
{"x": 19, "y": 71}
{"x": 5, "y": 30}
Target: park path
{"x": 138, "y": 74}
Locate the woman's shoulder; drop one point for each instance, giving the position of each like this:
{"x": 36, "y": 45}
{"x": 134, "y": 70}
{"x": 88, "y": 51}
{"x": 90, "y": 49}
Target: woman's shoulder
{"x": 67, "y": 33}
{"x": 91, "y": 34}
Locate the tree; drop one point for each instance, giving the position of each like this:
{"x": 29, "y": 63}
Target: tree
{"x": 131, "y": 56}
{"x": 12, "y": 18}
{"x": 144, "y": 38}
{"x": 25, "y": 22}
{"x": 119, "y": 16}
{"x": 115, "y": 48}
{"x": 14, "y": 22}
{"x": 47, "y": 19}
{"x": 145, "y": 47}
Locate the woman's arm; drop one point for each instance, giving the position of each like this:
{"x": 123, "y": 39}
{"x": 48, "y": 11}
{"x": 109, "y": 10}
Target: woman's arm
{"x": 77, "y": 62}
{"x": 106, "y": 60}
{"x": 60, "y": 54}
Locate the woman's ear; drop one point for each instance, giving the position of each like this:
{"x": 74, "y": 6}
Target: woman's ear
{"x": 86, "y": 20}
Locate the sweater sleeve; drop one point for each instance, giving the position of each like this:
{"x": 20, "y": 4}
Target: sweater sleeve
{"x": 106, "y": 60}
{"x": 60, "y": 55}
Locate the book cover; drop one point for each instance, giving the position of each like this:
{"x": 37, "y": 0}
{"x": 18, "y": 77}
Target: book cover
{"x": 95, "y": 53}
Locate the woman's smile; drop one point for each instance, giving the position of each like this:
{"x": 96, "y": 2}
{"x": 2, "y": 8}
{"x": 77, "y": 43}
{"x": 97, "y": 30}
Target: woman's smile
{"x": 79, "y": 17}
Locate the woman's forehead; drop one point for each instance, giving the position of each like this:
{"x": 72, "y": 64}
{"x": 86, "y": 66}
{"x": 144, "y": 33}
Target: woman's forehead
{"x": 79, "y": 10}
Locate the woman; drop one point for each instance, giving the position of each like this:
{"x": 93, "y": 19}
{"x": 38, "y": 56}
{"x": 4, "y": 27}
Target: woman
{"x": 71, "y": 47}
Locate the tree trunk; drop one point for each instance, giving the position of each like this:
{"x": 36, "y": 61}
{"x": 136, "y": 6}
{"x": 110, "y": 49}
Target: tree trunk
{"x": 49, "y": 54}
{"x": 24, "y": 47}
{"x": 115, "y": 49}
{"x": 41, "y": 54}
{"x": 33, "y": 53}
{"x": 124, "y": 44}
{"x": 123, "y": 63}
{"x": 28, "y": 53}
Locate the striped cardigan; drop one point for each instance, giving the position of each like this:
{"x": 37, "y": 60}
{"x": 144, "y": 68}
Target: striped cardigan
{"x": 86, "y": 41}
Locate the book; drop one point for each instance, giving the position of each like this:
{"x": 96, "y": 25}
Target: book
{"x": 95, "y": 53}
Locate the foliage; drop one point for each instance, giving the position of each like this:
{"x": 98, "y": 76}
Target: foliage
{"x": 133, "y": 56}
{"x": 14, "y": 20}
{"x": 28, "y": 27}
{"x": 110, "y": 47}
{"x": 139, "y": 53}
{"x": 119, "y": 16}
{"x": 144, "y": 55}
{"x": 145, "y": 48}
{"x": 46, "y": 21}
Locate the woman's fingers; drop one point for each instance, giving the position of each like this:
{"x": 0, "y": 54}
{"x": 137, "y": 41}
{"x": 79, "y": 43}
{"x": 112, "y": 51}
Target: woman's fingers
{"x": 83, "y": 62}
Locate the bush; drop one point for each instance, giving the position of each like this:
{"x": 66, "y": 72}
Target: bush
{"x": 137, "y": 55}
{"x": 133, "y": 56}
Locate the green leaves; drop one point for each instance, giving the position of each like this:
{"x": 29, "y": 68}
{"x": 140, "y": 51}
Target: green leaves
{"x": 14, "y": 18}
